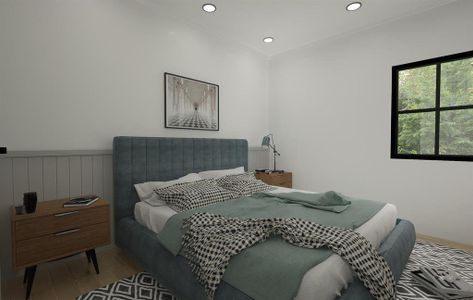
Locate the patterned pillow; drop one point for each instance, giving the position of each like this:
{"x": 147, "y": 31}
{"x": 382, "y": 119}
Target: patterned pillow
{"x": 231, "y": 179}
{"x": 185, "y": 196}
{"x": 244, "y": 184}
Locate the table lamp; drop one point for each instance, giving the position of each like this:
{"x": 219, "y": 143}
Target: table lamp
{"x": 268, "y": 141}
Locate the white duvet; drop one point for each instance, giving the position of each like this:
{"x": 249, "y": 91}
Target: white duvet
{"x": 322, "y": 282}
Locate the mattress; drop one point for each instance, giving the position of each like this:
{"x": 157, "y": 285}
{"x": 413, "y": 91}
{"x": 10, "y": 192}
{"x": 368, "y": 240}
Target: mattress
{"x": 324, "y": 281}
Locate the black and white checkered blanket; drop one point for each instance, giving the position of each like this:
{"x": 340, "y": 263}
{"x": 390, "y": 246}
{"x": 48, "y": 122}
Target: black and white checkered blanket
{"x": 211, "y": 240}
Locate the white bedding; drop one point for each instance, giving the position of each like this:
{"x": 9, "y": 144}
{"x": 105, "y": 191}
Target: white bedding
{"x": 322, "y": 282}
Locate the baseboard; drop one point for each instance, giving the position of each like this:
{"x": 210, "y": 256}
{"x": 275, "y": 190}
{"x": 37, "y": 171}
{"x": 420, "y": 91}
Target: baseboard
{"x": 466, "y": 247}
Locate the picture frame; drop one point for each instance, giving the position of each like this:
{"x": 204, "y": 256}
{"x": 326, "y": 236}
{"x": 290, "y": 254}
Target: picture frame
{"x": 190, "y": 103}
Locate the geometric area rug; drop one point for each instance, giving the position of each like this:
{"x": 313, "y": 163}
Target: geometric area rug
{"x": 428, "y": 254}
{"x": 143, "y": 286}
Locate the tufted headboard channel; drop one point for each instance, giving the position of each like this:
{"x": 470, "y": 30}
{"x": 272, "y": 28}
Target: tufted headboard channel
{"x": 141, "y": 159}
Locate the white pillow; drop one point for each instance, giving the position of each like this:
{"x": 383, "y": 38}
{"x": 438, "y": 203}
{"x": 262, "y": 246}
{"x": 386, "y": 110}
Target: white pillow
{"x": 146, "y": 192}
{"x": 221, "y": 173}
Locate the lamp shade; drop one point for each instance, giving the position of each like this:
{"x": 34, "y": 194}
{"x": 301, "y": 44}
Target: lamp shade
{"x": 265, "y": 141}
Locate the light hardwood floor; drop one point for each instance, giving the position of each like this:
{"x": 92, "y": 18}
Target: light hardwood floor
{"x": 466, "y": 247}
{"x": 68, "y": 278}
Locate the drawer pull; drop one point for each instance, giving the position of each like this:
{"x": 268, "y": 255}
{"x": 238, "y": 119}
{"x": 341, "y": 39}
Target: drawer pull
{"x": 67, "y": 213}
{"x": 66, "y": 232}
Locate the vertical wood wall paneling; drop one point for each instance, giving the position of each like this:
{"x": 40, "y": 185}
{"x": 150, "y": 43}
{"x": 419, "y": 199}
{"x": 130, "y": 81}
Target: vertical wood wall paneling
{"x": 35, "y": 176}
{"x": 108, "y": 177}
{"x": 50, "y": 178}
{"x": 87, "y": 176}
{"x": 6, "y": 201}
{"x": 97, "y": 176}
{"x": 75, "y": 176}
{"x": 63, "y": 177}
{"x": 20, "y": 179}
{"x": 108, "y": 189}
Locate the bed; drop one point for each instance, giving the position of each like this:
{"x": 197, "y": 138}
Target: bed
{"x": 141, "y": 159}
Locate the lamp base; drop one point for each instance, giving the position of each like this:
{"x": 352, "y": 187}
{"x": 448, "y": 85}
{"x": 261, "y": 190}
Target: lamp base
{"x": 268, "y": 171}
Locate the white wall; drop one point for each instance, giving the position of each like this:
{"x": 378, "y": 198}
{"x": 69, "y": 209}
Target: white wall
{"x": 75, "y": 73}
{"x": 330, "y": 113}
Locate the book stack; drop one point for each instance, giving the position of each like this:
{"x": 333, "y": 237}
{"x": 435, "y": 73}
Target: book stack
{"x": 81, "y": 201}
{"x": 444, "y": 282}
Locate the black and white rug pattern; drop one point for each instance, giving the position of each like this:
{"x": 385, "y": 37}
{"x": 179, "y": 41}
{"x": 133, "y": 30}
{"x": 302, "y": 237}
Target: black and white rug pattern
{"x": 143, "y": 286}
{"x": 432, "y": 255}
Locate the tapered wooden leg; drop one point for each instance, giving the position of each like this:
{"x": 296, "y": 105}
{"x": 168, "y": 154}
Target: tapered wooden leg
{"x": 94, "y": 260}
{"x": 30, "y": 272}
{"x": 25, "y": 275}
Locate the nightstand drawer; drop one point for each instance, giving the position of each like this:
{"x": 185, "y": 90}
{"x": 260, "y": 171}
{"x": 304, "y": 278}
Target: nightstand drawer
{"x": 40, "y": 226}
{"x": 277, "y": 179}
{"x": 280, "y": 181}
{"x": 62, "y": 243}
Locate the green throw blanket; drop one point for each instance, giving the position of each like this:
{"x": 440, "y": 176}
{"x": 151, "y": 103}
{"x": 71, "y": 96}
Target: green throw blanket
{"x": 331, "y": 201}
{"x": 274, "y": 269}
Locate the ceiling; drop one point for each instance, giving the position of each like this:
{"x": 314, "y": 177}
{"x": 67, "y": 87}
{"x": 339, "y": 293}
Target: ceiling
{"x": 292, "y": 23}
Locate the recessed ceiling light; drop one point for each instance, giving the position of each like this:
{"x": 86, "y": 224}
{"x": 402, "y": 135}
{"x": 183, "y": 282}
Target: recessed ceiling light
{"x": 209, "y": 7}
{"x": 268, "y": 39}
{"x": 353, "y": 6}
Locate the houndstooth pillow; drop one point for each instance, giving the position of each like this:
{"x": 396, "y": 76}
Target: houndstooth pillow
{"x": 244, "y": 184}
{"x": 185, "y": 196}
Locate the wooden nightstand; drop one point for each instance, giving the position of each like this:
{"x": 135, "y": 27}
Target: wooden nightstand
{"x": 277, "y": 179}
{"x": 53, "y": 232}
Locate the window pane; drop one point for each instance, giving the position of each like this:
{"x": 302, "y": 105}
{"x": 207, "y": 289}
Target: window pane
{"x": 456, "y": 132}
{"x": 416, "y": 133}
{"x": 417, "y": 88}
{"x": 457, "y": 83}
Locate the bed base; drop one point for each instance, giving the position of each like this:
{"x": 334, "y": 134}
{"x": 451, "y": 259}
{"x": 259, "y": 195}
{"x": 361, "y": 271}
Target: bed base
{"x": 176, "y": 275}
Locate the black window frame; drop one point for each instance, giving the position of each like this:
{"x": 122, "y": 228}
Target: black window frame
{"x": 438, "y": 61}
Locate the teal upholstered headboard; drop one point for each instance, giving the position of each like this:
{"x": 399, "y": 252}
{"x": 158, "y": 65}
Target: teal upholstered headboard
{"x": 140, "y": 159}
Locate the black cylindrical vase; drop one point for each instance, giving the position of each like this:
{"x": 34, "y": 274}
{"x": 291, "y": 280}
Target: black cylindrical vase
{"x": 29, "y": 201}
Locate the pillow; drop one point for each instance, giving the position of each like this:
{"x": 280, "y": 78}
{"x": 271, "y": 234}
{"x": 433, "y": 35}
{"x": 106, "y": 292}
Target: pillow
{"x": 220, "y": 173}
{"x": 229, "y": 179}
{"x": 185, "y": 196}
{"x": 146, "y": 192}
{"x": 244, "y": 184}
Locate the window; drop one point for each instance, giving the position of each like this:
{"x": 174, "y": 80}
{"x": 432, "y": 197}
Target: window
{"x": 432, "y": 109}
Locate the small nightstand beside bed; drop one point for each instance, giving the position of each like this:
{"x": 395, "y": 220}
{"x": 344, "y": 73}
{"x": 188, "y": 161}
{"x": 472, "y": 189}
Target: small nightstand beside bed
{"x": 138, "y": 160}
{"x": 53, "y": 232}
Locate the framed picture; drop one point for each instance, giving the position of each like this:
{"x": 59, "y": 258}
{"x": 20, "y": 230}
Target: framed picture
{"x": 190, "y": 103}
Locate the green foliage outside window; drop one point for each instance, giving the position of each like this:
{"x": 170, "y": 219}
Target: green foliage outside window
{"x": 417, "y": 90}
